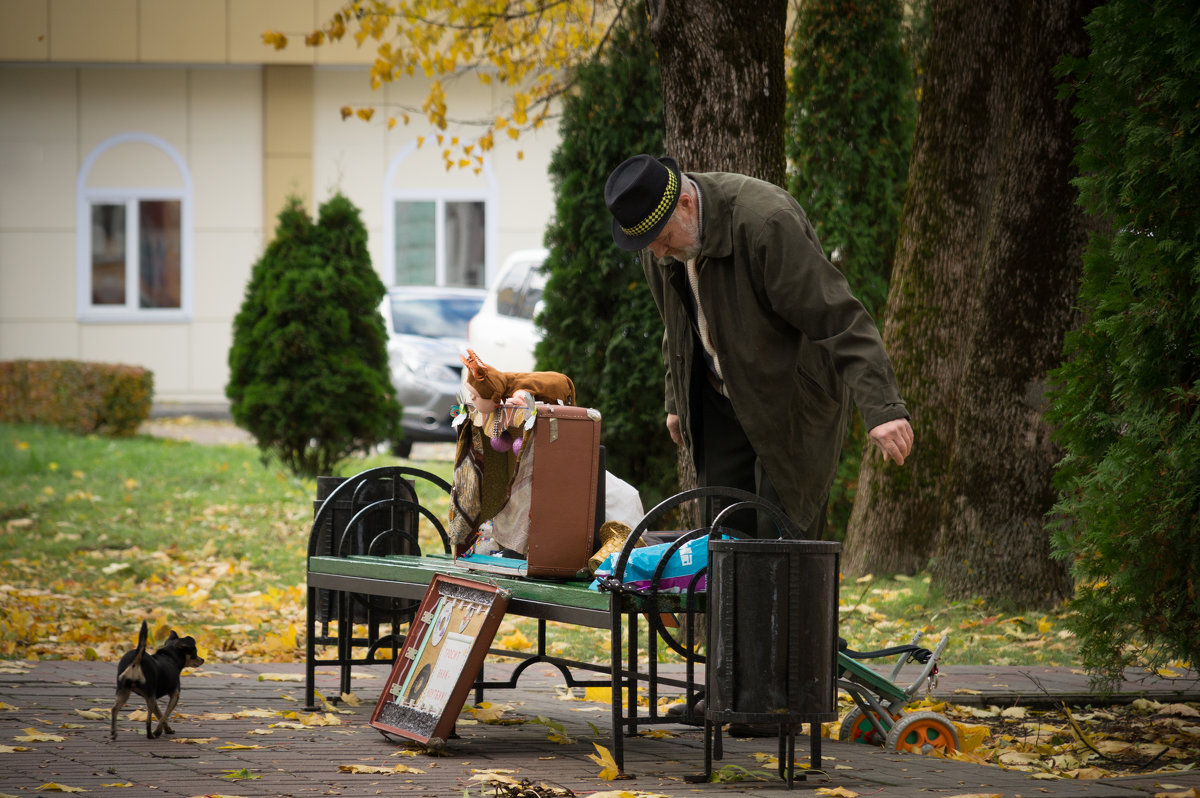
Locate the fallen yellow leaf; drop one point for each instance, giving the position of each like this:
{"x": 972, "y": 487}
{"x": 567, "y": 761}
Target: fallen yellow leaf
{"x": 255, "y": 713}
{"x": 840, "y": 792}
{"x": 608, "y": 765}
{"x": 515, "y": 642}
{"x": 377, "y": 769}
{"x": 496, "y": 777}
{"x": 54, "y": 787}
{"x": 32, "y": 735}
{"x": 971, "y": 736}
{"x": 600, "y": 695}
{"x": 487, "y": 712}
{"x": 281, "y": 677}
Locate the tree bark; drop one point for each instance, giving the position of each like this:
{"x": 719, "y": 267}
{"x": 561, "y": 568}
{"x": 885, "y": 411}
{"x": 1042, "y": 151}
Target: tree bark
{"x": 724, "y": 90}
{"x": 987, "y": 266}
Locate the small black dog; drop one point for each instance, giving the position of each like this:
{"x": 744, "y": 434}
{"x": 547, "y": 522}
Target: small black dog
{"x": 154, "y": 675}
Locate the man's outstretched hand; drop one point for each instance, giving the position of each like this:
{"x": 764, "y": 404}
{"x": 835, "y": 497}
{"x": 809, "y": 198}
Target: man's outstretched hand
{"x": 894, "y": 439}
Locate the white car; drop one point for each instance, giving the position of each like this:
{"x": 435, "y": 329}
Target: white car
{"x": 503, "y": 334}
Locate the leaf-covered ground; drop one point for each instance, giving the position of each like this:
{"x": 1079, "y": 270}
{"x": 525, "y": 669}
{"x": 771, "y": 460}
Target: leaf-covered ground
{"x": 1092, "y": 743}
{"x": 97, "y": 534}
{"x": 1079, "y": 743}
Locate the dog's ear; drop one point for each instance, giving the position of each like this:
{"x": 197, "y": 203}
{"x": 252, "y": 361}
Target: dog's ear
{"x": 172, "y": 636}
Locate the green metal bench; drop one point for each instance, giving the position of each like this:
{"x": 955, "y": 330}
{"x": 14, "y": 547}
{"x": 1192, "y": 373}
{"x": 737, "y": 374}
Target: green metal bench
{"x": 366, "y": 569}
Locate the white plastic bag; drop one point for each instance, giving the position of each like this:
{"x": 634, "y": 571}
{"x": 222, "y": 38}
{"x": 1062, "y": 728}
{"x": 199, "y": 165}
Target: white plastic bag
{"x": 621, "y": 501}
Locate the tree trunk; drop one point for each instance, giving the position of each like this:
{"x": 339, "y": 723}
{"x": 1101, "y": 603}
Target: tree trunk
{"x": 724, "y": 90}
{"x": 993, "y": 540}
{"x": 987, "y": 266}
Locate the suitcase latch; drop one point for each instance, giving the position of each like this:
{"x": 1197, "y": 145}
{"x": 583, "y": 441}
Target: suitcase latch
{"x": 553, "y": 429}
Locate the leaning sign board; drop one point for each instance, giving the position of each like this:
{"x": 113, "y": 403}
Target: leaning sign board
{"x": 446, "y": 644}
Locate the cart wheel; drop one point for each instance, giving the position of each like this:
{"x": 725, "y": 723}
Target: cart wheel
{"x": 857, "y": 728}
{"x": 923, "y": 733}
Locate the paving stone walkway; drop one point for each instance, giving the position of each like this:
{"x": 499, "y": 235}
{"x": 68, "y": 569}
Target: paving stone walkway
{"x": 229, "y": 742}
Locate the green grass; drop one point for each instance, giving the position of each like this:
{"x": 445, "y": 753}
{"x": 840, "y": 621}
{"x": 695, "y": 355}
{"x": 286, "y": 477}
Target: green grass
{"x": 96, "y": 533}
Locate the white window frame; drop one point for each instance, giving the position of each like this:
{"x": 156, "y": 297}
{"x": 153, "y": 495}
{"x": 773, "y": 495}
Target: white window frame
{"x": 87, "y": 197}
{"x": 439, "y": 197}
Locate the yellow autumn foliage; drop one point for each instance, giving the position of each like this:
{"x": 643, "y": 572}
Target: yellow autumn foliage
{"x": 530, "y": 47}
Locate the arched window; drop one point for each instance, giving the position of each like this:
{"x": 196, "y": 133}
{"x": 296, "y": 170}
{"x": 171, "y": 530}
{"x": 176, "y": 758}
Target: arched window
{"x": 134, "y": 232}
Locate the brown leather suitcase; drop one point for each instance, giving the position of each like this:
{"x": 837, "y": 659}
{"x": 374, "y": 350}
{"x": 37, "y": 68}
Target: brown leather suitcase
{"x": 567, "y": 490}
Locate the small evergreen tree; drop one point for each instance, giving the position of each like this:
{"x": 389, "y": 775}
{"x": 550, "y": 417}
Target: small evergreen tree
{"x": 602, "y": 328}
{"x": 1128, "y": 407}
{"x": 308, "y": 366}
{"x": 851, "y": 114}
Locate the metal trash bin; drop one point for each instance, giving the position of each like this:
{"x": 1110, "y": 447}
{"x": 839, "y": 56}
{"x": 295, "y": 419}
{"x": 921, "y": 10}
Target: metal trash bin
{"x": 772, "y": 640}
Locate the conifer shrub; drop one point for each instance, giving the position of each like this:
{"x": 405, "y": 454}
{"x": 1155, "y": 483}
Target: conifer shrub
{"x": 602, "y": 327}
{"x": 308, "y": 367}
{"x": 1127, "y": 406}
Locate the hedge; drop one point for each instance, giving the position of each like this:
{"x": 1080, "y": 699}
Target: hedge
{"x": 105, "y": 398}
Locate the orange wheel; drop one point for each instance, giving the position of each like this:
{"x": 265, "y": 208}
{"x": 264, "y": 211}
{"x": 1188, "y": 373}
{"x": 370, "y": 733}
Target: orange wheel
{"x": 923, "y": 733}
{"x": 857, "y": 728}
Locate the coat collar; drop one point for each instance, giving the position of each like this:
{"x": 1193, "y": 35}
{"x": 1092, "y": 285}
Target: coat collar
{"x": 718, "y": 240}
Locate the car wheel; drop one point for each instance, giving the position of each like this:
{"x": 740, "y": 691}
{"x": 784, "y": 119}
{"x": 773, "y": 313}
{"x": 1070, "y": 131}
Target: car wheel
{"x": 402, "y": 448}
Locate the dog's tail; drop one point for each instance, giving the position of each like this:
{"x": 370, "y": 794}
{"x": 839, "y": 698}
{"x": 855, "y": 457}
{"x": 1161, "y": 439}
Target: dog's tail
{"x": 133, "y": 671}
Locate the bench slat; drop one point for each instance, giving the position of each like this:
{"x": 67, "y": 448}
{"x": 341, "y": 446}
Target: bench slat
{"x": 413, "y": 570}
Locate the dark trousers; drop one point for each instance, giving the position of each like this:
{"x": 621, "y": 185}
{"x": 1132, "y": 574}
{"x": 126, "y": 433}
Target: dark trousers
{"x": 725, "y": 458}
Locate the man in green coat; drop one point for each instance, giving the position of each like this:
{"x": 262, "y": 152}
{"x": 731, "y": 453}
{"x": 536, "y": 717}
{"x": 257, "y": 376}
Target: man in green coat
{"x": 764, "y": 346}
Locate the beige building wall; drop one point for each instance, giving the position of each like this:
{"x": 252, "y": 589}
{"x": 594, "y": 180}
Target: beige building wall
{"x": 249, "y": 124}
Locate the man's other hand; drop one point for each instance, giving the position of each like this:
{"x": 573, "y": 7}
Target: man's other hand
{"x": 894, "y": 439}
{"x": 673, "y": 428}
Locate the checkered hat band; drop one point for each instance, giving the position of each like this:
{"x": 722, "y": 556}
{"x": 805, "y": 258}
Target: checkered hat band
{"x": 668, "y": 199}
